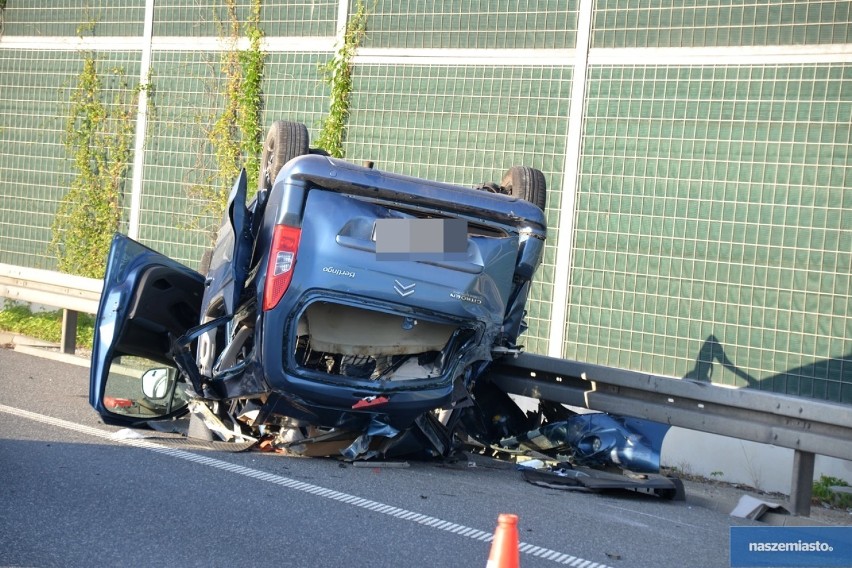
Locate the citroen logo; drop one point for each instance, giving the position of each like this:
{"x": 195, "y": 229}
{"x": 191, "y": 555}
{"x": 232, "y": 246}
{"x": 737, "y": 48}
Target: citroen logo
{"x": 403, "y": 289}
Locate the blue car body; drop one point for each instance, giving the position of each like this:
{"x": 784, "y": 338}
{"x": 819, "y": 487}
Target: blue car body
{"x": 300, "y": 320}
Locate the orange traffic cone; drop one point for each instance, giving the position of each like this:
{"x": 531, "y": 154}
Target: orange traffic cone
{"x": 504, "y": 547}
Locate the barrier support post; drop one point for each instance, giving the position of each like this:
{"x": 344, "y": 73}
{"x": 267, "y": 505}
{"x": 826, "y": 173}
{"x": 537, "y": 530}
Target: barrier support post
{"x": 69, "y": 331}
{"x": 802, "y": 483}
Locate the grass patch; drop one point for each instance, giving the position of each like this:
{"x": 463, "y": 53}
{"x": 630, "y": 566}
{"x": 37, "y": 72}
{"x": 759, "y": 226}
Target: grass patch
{"x": 822, "y": 492}
{"x": 46, "y": 326}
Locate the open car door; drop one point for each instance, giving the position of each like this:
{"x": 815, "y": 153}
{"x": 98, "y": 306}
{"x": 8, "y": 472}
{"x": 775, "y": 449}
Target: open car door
{"x": 229, "y": 264}
{"x": 148, "y": 299}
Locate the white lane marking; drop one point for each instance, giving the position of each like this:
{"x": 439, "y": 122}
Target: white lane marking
{"x": 658, "y": 517}
{"x": 467, "y": 532}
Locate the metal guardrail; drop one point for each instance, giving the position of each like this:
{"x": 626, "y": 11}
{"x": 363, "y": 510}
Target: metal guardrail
{"x": 73, "y": 294}
{"x": 807, "y": 426}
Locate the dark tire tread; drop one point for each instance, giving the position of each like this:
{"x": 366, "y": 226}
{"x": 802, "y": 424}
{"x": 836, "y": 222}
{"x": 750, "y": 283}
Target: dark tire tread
{"x": 284, "y": 141}
{"x": 526, "y": 183}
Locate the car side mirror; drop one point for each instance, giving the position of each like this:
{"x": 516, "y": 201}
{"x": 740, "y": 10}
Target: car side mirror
{"x": 155, "y": 383}
{"x": 142, "y": 389}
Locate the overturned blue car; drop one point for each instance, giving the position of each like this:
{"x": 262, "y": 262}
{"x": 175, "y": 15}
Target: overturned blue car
{"x": 343, "y": 311}
{"x": 338, "y": 303}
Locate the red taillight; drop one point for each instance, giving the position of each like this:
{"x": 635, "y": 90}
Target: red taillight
{"x": 282, "y": 258}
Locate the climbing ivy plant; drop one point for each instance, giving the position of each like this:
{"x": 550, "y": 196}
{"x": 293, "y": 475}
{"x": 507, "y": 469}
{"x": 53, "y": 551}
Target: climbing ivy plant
{"x": 98, "y": 139}
{"x": 251, "y": 96}
{"x": 337, "y": 74}
{"x": 235, "y": 133}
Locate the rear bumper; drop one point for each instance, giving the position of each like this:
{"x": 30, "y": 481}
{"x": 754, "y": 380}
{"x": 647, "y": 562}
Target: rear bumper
{"x": 348, "y": 402}
{"x": 331, "y": 406}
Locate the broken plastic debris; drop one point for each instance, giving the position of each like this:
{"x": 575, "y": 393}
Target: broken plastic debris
{"x": 214, "y": 424}
{"x": 369, "y": 401}
{"x": 290, "y": 441}
{"x": 753, "y": 508}
{"x": 127, "y": 434}
{"x": 379, "y": 428}
{"x": 568, "y": 477}
{"x": 533, "y": 464}
{"x": 357, "y": 448}
{"x": 381, "y": 464}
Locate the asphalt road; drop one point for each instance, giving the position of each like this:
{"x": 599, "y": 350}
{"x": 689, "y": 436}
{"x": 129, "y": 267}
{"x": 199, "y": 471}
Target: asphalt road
{"x": 72, "y": 495}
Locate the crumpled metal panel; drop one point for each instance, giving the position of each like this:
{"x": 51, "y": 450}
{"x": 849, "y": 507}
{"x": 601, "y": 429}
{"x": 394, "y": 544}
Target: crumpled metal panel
{"x": 598, "y": 439}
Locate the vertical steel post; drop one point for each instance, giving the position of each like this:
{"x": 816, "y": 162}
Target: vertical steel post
{"x": 565, "y": 238}
{"x": 342, "y": 20}
{"x": 68, "y": 343}
{"x": 141, "y": 124}
{"x": 802, "y": 483}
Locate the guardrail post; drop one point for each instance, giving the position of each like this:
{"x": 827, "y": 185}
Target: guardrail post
{"x": 803, "y": 481}
{"x": 69, "y": 331}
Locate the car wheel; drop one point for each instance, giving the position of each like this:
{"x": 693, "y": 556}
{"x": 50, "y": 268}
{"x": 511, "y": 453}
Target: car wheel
{"x": 284, "y": 141}
{"x": 525, "y": 183}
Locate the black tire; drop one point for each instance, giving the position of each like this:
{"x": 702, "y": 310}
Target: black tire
{"x": 284, "y": 141}
{"x": 678, "y": 493}
{"x": 526, "y": 183}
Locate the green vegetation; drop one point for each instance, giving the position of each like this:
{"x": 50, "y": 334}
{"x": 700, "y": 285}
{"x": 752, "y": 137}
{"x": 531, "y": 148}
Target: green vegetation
{"x": 235, "y": 134}
{"x": 822, "y": 492}
{"x": 98, "y": 138}
{"x": 46, "y": 326}
{"x": 337, "y": 74}
{"x": 251, "y": 97}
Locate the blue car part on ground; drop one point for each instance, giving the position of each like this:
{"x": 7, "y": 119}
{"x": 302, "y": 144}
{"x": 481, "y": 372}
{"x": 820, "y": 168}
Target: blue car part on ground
{"x": 600, "y": 452}
{"x": 598, "y": 439}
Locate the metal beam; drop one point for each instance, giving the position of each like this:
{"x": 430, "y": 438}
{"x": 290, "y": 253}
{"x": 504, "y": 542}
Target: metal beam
{"x": 71, "y": 293}
{"x": 50, "y": 288}
{"x": 797, "y": 423}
